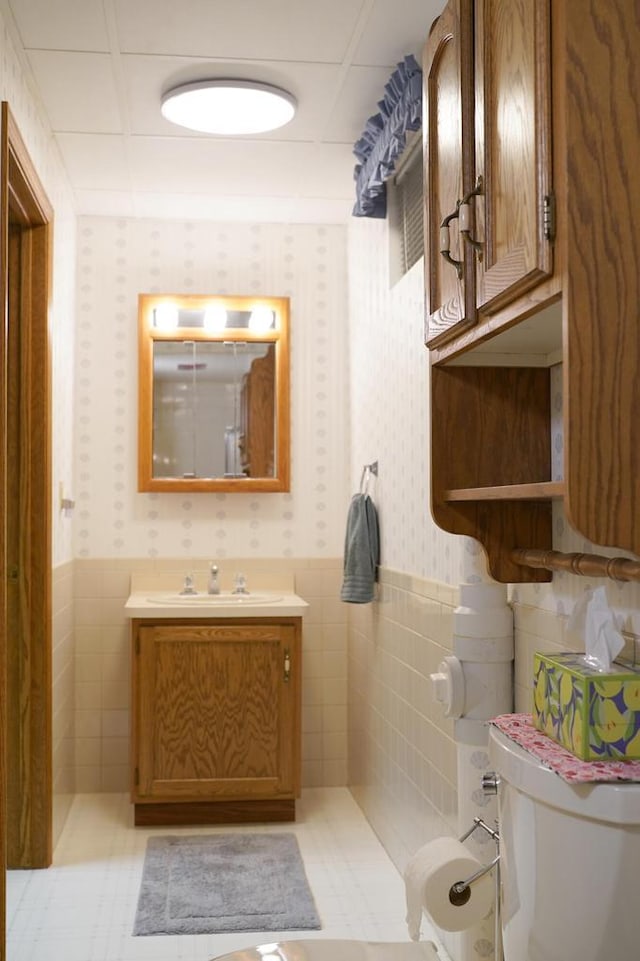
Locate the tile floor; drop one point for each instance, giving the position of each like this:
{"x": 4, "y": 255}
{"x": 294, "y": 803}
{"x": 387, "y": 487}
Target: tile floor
{"x": 83, "y": 907}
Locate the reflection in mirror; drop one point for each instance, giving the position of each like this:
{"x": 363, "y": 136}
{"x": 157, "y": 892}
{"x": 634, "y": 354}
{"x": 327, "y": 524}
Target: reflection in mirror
{"x": 201, "y": 393}
{"x": 213, "y": 393}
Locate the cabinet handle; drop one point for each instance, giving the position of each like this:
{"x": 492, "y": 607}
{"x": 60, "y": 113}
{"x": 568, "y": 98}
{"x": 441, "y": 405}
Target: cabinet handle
{"x": 445, "y": 241}
{"x": 466, "y": 216}
{"x": 287, "y": 665}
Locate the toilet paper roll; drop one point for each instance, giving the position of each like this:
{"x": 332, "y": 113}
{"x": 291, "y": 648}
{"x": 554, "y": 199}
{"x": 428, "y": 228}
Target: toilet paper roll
{"x": 429, "y": 876}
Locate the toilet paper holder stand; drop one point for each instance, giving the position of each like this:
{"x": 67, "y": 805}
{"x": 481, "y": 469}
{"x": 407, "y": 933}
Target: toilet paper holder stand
{"x": 460, "y": 892}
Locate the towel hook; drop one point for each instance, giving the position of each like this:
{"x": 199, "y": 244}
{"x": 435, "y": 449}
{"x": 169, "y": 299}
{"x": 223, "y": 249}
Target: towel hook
{"x": 367, "y": 470}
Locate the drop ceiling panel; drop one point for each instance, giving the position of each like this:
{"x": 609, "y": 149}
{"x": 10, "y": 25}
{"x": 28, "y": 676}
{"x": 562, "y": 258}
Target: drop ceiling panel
{"x": 146, "y": 78}
{"x": 242, "y": 169}
{"x": 383, "y": 43}
{"x": 78, "y": 91}
{"x": 273, "y": 30}
{"x": 290, "y": 210}
{"x": 61, "y": 24}
{"x": 107, "y": 203}
{"x": 100, "y": 67}
{"x": 95, "y": 161}
{"x": 363, "y": 87}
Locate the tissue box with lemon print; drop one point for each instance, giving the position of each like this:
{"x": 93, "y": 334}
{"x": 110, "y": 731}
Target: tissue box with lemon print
{"x": 594, "y": 715}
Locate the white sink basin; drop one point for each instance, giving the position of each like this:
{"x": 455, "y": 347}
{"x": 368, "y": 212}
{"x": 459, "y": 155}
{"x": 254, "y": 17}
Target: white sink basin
{"x": 172, "y": 604}
{"x": 214, "y": 600}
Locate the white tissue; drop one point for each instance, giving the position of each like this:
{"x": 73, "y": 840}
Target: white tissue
{"x": 428, "y": 877}
{"x": 595, "y": 622}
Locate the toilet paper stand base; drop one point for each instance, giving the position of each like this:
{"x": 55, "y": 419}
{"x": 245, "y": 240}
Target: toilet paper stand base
{"x": 460, "y": 892}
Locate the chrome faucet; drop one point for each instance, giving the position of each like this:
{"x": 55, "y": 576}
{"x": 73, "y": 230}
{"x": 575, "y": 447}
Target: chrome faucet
{"x": 189, "y": 587}
{"x": 214, "y": 584}
{"x": 241, "y": 585}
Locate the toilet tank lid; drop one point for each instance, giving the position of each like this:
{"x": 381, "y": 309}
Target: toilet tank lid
{"x": 614, "y": 802}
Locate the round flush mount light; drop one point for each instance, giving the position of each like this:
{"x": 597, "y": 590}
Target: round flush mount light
{"x": 228, "y": 107}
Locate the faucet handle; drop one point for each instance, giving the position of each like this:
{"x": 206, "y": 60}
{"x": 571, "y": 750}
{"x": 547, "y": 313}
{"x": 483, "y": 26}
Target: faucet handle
{"x": 241, "y": 585}
{"x": 188, "y": 585}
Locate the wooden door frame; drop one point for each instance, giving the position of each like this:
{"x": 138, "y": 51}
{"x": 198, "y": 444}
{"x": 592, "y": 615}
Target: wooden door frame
{"x": 24, "y": 202}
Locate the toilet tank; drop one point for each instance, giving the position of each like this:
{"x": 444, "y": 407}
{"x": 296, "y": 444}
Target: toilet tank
{"x": 570, "y": 856}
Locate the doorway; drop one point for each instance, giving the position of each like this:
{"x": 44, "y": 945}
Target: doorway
{"x": 25, "y": 512}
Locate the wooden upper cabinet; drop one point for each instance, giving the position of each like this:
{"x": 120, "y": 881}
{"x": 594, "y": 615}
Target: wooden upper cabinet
{"x": 487, "y": 143}
{"x": 543, "y": 300}
{"x": 448, "y": 146}
{"x": 514, "y": 210}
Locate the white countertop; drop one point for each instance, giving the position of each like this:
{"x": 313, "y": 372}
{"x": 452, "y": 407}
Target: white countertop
{"x": 261, "y": 604}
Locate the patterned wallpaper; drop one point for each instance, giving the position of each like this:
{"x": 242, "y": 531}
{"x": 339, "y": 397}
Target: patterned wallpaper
{"x": 117, "y": 259}
{"x": 389, "y": 411}
{"x": 14, "y": 88}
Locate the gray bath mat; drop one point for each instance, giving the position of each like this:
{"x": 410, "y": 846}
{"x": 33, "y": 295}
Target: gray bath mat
{"x": 208, "y": 884}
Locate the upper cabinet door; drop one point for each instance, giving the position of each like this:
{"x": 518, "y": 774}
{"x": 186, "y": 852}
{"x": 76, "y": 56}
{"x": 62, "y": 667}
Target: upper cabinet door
{"x": 514, "y": 210}
{"x": 448, "y": 151}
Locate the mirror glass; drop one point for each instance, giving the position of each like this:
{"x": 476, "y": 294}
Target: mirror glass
{"x": 214, "y": 398}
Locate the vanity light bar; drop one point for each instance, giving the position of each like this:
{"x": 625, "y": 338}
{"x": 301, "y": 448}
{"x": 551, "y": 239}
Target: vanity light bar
{"x": 214, "y": 319}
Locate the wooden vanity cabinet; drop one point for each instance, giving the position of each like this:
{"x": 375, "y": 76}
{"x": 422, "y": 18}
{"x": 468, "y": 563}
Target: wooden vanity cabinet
{"x": 490, "y": 400}
{"x": 215, "y": 720}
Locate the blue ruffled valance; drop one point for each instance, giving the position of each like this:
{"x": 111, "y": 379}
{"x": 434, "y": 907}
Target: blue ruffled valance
{"x": 384, "y": 137}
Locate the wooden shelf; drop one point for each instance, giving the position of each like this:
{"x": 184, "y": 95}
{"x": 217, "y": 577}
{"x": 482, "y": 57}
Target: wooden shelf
{"x": 545, "y": 490}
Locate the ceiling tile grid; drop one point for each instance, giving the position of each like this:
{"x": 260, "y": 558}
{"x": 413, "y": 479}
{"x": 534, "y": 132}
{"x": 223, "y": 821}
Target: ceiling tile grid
{"x": 101, "y": 67}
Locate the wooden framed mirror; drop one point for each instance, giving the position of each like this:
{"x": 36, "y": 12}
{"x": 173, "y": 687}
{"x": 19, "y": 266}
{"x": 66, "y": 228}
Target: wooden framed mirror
{"x": 213, "y": 393}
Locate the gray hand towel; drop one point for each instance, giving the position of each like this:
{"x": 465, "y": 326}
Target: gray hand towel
{"x": 361, "y": 551}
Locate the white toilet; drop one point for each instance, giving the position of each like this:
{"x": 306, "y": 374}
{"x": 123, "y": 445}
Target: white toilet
{"x": 570, "y": 862}
{"x": 317, "y": 949}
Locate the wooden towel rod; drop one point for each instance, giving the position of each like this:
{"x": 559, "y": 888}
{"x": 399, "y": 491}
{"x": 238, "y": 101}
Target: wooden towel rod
{"x": 589, "y": 565}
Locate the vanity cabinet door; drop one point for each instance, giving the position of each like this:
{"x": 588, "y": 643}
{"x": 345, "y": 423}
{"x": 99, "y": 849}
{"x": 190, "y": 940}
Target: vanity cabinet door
{"x": 514, "y": 209}
{"x": 216, "y": 711}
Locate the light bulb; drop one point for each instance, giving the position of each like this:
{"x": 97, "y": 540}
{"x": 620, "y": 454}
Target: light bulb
{"x": 261, "y": 320}
{"x": 215, "y": 319}
{"x": 165, "y": 317}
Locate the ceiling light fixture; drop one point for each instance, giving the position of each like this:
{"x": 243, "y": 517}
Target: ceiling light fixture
{"x": 228, "y": 107}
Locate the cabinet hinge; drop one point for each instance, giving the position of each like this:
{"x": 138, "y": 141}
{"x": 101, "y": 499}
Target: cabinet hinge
{"x": 287, "y": 665}
{"x": 137, "y": 644}
{"x": 549, "y": 216}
